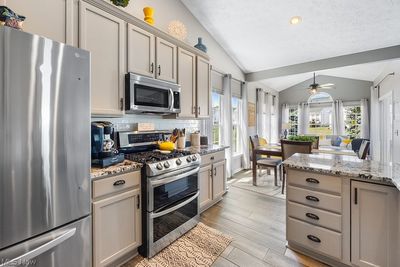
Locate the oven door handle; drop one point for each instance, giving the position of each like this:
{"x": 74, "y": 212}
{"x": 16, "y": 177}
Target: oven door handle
{"x": 173, "y": 178}
{"x": 154, "y": 215}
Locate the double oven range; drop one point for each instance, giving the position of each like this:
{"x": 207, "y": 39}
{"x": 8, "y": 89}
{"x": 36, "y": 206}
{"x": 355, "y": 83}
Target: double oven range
{"x": 170, "y": 189}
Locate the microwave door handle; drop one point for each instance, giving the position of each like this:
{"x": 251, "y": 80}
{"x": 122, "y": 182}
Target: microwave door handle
{"x": 171, "y": 99}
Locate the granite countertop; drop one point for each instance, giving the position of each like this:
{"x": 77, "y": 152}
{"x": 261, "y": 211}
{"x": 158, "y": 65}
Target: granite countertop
{"x": 342, "y": 165}
{"x": 125, "y": 166}
{"x": 203, "y": 150}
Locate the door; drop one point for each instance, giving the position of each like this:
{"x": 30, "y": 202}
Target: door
{"x": 141, "y": 47}
{"x": 116, "y": 227}
{"x": 203, "y": 88}
{"x": 56, "y": 25}
{"x": 374, "y": 224}
{"x": 166, "y": 60}
{"x": 44, "y": 135}
{"x": 205, "y": 186}
{"x": 187, "y": 81}
{"x": 104, "y": 36}
{"x": 218, "y": 179}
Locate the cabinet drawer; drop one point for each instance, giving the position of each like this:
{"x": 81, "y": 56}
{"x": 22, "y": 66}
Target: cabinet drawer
{"x": 315, "y": 216}
{"x": 315, "y": 181}
{"x": 316, "y": 238}
{"x": 115, "y": 184}
{"x": 213, "y": 157}
{"x": 315, "y": 199}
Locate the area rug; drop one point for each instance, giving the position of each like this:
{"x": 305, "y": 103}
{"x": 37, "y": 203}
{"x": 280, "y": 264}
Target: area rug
{"x": 201, "y": 246}
{"x": 265, "y": 184}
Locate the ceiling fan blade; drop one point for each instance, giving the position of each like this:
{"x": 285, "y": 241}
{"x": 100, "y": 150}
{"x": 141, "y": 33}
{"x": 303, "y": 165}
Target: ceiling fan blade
{"x": 327, "y": 85}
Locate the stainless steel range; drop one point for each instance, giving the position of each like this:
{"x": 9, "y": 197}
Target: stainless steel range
{"x": 170, "y": 190}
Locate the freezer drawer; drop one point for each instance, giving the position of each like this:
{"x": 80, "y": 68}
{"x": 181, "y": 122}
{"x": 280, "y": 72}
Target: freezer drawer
{"x": 65, "y": 247}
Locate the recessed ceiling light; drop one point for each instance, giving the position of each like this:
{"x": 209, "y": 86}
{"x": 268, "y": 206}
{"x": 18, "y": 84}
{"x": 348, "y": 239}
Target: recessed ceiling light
{"x": 295, "y": 20}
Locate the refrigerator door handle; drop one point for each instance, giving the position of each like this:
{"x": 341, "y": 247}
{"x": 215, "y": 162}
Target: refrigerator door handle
{"x": 42, "y": 248}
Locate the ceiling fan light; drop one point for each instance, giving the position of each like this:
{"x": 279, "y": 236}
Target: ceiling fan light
{"x": 295, "y": 20}
{"x": 313, "y": 91}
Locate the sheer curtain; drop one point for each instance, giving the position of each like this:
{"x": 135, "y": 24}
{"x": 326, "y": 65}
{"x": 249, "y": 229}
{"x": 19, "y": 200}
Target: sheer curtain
{"x": 285, "y": 113}
{"x": 338, "y": 117}
{"x": 261, "y": 127}
{"x": 244, "y": 141}
{"x": 226, "y": 112}
{"x": 303, "y": 118}
{"x": 275, "y": 119}
{"x": 365, "y": 119}
{"x": 374, "y": 129}
{"x": 265, "y": 125}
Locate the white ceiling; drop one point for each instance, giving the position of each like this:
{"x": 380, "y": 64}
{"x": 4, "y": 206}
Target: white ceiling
{"x": 365, "y": 72}
{"x": 258, "y": 36}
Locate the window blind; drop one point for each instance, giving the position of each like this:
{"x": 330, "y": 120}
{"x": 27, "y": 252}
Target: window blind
{"x": 217, "y": 81}
{"x": 236, "y": 87}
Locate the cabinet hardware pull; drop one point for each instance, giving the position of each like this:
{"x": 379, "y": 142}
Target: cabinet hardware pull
{"x": 121, "y": 103}
{"x": 312, "y": 198}
{"x": 199, "y": 110}
{"x": 119, "y": 182}
{"x": 312, "y": 216}
{"x": 194, "y": 110}
{"x": 355, "y": 196}
{"x": 138, "y": 201}
{"x": 314, "y": 238}
{"x": 211, "y": 173}
{"x": 159, "y": 70}
{"x": 215, "y": 171}
{"x": 312, "y": 180}
{"x": 212, "y": 158}
{"x": 152, "y": 67}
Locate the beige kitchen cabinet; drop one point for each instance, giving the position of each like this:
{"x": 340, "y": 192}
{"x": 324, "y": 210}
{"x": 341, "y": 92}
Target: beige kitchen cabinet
{"x": 116, "y": 219}
{"x": 187, "y": 81}
{"x": 205, "y": 185}
{"x": 203, "y": 88}
{"x": 166, "y": 57}
{"x": 141, "y": 51}
{"x": 374, "y": 225}
{"x": 53, "y": 19}
{"x": 104, "y": 36}
{"x": 218, "y": 179}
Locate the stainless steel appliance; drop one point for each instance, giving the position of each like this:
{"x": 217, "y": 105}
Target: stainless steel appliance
{"x": 45, "y": 152}
{"x": 147, "y": 95}
{"x": 170, "y": 189}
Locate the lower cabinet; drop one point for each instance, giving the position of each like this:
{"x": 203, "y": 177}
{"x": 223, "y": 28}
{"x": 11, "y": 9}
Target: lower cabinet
{"x": 205, "y": 185}
{"x": 374, "y": 225}
{"x": 116, "y": 219}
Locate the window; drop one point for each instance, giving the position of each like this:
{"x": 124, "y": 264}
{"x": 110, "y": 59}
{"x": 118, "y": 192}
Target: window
{"x": 216, "y": 119}
{"x": 293, "y": 121}
{"x": 236, "y": 111}
{"x": 352, "y": 121}
{"x": 320, "y": 121}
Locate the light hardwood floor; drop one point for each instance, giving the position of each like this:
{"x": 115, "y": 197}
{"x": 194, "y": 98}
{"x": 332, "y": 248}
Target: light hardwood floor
{"x": 257, "y": 224}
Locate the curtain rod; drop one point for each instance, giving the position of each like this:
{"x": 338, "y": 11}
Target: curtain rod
{"x": 387, "y": 75}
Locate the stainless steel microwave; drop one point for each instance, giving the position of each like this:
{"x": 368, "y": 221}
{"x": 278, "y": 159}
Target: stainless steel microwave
{"x": 148, "y": 95}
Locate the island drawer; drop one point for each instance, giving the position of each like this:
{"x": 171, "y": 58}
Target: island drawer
{"x": 212, "y": 157}
{"x": 315, "y": 199}
{"x": 315, "y": 181}
{"x": 315, "y": 216}
{"x": 115, "y": 184}
{"x": 315, "y": 238}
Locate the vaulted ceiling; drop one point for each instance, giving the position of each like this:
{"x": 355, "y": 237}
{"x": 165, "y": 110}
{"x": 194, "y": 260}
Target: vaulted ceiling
{"x": 258, "y": 36}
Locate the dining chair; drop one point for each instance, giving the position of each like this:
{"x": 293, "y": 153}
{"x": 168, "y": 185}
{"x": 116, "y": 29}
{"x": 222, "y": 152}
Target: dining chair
{"x": 290, "y": 148}
{"x": 356, "y": 144}
{"x": 265, "y": 162}
{"x": 364, "y": 149}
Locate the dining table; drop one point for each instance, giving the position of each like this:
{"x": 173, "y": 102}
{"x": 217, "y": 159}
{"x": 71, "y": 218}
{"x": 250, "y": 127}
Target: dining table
{"x": 275, "y": 150}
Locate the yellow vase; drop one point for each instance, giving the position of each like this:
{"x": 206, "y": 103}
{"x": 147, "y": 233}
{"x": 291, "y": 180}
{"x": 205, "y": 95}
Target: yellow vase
{"x": 148, "y": 15}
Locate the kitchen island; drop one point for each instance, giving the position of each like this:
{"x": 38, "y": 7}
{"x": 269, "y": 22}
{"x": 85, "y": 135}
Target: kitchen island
{"x": 342, "y": 210}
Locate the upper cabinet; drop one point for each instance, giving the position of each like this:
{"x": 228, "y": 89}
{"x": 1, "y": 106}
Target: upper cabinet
{"x": 166, "y": 60}
{"x": 104, "y": 36}
{"x": 53, "y": 19}
{"x": 141, "y": 53}
{"x": 187, "y": 81}
{"x": 203, "y": 87}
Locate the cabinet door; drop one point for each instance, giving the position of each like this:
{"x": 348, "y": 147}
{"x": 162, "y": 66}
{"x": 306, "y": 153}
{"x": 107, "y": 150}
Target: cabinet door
{"x": 49, "y": 18}
{"x": 203, "y": 88}
{"x": 104, "y": 36}
{"x": 373, "y": 224}
{"x": 166, "y": 60}
{"x": 205, "y": 185}
{"x": 116, "y": 227}
{"x": 187, "y": 81}
{"x": 141, "y": 47}
{"x": 218, "y": 179}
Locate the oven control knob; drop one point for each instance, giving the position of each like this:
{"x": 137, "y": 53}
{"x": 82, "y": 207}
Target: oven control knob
{"x": 166, "y": 164}
{"x": 194, "y": 158}
{"x": 178, "y": 162}
{"x": 189, "y": 159}
{"x": 159, "y": 166}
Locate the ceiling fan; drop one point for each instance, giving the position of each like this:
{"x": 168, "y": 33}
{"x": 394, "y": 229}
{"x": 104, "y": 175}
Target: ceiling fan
{"x": 315, "y": 87}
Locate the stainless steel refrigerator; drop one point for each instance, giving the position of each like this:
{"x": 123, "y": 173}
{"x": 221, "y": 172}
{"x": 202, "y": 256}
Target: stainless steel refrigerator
{"x": 44, "y": 152}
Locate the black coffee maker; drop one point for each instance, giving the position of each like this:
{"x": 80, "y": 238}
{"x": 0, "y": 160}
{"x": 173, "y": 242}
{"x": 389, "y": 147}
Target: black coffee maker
{"x": 103, "y": 152}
